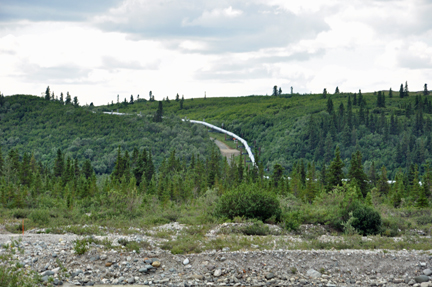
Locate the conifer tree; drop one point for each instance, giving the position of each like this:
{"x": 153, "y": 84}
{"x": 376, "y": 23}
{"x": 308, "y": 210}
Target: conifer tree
{"x": 401, "y": 91}
{"x": 335, "y": 173}
{"x": 382, "y": 186}
{"x": 425, "y": 90}
{"x": 357, "y": 173}
{"x": 324, "y": 94}
{"x": 47, "y": 94}
{"x": 159, "y": 113}
{"x": 59, "y": 164}
{"x": 1, "y": 162}
{"x": 330, "y": 108}
{"x": 390, "y": 93}
{"x": 277, "y": 174}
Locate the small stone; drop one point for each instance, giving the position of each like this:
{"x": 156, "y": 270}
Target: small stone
{"x": 269, "y": 276}
{"x": 55, "y": 270}
{"x": 199, "y": 277}
{"x": 54, "y": 255}
{"x": 156, "y": 264}
{"x": 217, "y": 273}
{"x": 103, "y": 257}
{"x": 225, "y": 249}
{"x": 427, "y": 272}
{"x": 421, "y": 278}
{"x": 411, "y": 282}
{"x": 131, "y": 280}
{"x": 143, "y": 270}
{"x": 313, "y": 273}
{"x": 425, "y": 284}
{"x": 172, "y": 270}
{"x": 186, "y": 261}
{"x": 121, "y": 279}
{"x": 108, "y": 264}
{"x": 45, "y": 278}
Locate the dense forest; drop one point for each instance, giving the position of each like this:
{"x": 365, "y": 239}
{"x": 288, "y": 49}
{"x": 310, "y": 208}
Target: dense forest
{"x": 390, "y": 128}
{"x": 40, "y": 127}
{"x": 162, "y": 164}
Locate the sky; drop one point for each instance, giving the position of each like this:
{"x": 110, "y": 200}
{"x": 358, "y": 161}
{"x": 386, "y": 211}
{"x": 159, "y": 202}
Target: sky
{"x": 99, "y": 49}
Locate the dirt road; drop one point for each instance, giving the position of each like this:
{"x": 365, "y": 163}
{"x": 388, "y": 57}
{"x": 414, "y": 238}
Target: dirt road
{"x": 226, "y": 150}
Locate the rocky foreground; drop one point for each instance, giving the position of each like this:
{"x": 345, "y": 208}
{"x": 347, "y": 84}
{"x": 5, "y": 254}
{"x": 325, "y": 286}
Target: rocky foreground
{"x": 54, "y": 258}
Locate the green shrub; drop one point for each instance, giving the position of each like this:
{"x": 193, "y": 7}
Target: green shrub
{"x": 249, "y": 202}
{"x": 292, "y": 220}
{"x": 40, "y": 216}
{"x": 80, "y": 246}
{"x": 21, "y": 213}
{"x": 256, "y": 228}
{"x": 424, "y": 220}
{"x": 366, "y": 219}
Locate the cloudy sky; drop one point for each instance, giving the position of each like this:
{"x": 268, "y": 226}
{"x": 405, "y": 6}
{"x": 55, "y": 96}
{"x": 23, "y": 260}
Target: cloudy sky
{"x": 100, "y": 48}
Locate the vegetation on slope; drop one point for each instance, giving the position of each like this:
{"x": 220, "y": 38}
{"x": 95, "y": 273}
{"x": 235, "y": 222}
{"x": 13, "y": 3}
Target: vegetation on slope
{"x": 390, "y": 129}
{"x": 41, "y": 127}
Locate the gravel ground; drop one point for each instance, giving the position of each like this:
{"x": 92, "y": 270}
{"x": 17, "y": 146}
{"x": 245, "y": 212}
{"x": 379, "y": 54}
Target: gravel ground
{"x": 54, "y": 258}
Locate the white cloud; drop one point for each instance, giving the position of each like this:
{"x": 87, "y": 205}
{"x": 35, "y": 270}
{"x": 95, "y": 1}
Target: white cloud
{"x": 226, "y": 48}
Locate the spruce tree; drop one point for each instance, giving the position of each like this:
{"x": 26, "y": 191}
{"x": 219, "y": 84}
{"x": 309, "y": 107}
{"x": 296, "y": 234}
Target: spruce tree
{"x": 1, "y": 162}
{"x": 401, "y": 91}
{"x": 47, "y": 94}
{"x": 330, "y": 108}
{"x": 324, "y": 94}
{"x": 425, "y": 91}
{"x": 335, "y": 173}
{"x": 59, "y": 164}
{"x": 390, "y": 93}
{"x": 356, "y": 172}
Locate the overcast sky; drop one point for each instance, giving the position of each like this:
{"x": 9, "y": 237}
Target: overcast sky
{"x": 100, "y": 48}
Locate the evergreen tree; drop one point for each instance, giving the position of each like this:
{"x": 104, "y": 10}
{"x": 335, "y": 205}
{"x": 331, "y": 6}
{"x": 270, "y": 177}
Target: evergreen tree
{"x": 382, "y": 186}
{"x": 277, "y": 175}
{"x": 68, "y": 99}
{"x": 355, "y": 99}
{"x": 275, "y": 91}
{"x": 59, "y": 164}
{"x": 401, "y": 91}
{"x": 131, "y": 100}
{"x": 324, "y": 94}
{"x": 75, "y": 101}
{"x": 425, "y": 91}
{"x": 87, "y": 169}
{"x": 337, "y": 90}
{"x": 280, "y": 91}
{"x": 390, "y": 93}
{"x": 330, "y": 108}
{"x": 335, "y": 173}
{"x": 61, "y": 98}
{"x": 311, "y": 188}
{"x": 406, "y": 93}
{"x": 356, "y": 172}
{"x": 1, "y": 162}
{"x": 159, "y": 113}
{"x": 328, "y": 153}
{"x": 177, "y": 97}
{"x": 47, "y": 94}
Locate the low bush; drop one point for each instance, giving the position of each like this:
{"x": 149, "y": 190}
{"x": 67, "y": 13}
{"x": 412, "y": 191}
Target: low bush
{"x": 40, "y": 216}
{"x": 256, "y": 228}
{"x": 366, "y": 220}
{"x": 249, "y": 202}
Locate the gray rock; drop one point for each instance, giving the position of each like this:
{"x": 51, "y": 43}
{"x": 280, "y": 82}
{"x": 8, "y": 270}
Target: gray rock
{"x": 143, "y": 270}
{"x": 45, "y": 278}
{"x": 421, "y": 278}
{"x": 411, "y": 282}
{"x": 225, "y": 249}
{"x": 313, "y": 273}
{"x": 427, "y": 272}
{"x": 48, "y": 273}
{"x": 121, "y": 279}
{"x": 186, "y": 261}
{"x": 131, "y": 280}
{"x": 269, "y": 276}
{"x": 330, "y": 285}
{"x": 54, "y": 255}
{"x": 35, "y": 260}
{"x": 217, "y": 273}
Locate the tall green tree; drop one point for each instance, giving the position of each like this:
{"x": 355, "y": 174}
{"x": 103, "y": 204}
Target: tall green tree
{"x": 159, "y": 113}
{"x": 357, "y": 173}
{"x": 47, "y": 94}
{"x": 335, "y": 173}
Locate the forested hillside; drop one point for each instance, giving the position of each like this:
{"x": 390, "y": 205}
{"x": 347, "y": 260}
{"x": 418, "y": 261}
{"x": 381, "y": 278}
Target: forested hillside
{"x": 40, "y": 127}
{"x": 389, "y": 128}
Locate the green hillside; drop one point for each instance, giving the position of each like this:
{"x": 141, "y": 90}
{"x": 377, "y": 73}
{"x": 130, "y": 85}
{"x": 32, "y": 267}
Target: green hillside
{"x": 34, "y": 125}
{"x": 397, "y": 133}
